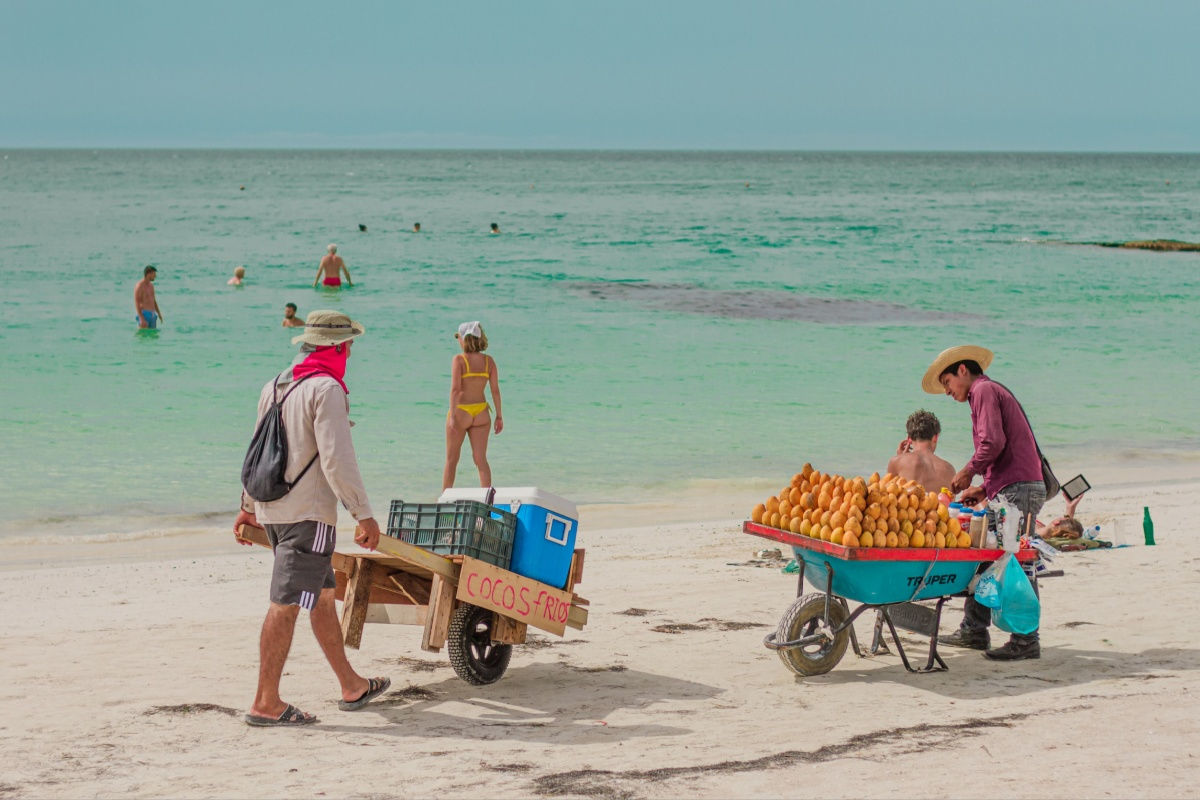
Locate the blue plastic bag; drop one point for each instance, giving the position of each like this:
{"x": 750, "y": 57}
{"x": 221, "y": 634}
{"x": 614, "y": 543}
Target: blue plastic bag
{"x": 1005, "y": 588}
{"x": 987, "y": 590}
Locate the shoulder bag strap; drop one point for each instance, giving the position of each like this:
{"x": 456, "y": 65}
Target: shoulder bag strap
{"x": 1036, "y": 446}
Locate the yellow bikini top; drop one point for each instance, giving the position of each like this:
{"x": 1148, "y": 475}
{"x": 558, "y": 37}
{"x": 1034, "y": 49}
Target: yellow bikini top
{"x": 467, "y": 368}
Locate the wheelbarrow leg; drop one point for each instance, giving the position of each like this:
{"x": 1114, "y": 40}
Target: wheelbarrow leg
{"x": 933, "y": 653}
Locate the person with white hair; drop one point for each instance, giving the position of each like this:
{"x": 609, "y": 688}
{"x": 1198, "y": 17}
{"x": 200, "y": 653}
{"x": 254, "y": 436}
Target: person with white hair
{"x": 332, "y": 266}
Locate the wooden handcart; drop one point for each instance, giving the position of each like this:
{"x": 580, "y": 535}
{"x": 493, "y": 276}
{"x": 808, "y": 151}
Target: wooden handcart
{"x": 476, "y": 610}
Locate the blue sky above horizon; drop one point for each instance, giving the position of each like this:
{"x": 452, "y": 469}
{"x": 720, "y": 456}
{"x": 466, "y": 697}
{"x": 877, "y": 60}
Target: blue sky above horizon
{"x": 929, "y": 75}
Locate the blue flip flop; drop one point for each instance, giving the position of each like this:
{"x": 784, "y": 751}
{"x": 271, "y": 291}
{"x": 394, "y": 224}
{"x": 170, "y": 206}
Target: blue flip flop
{"x": 375, "y": 687}
{"x": 291, "y": 716}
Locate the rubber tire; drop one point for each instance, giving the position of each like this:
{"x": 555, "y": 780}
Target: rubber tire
{"x": 803, "y": 619}
{"x": 475, "y": 657}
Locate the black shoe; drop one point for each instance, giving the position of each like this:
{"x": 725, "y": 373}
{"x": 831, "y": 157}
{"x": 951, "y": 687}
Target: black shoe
{"x": 1015, "y": 651}
{"x": 975, "y": 640}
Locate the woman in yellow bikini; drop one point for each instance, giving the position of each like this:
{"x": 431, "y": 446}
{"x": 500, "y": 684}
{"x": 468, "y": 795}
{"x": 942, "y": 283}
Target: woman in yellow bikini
{"x": 469, "y": 414}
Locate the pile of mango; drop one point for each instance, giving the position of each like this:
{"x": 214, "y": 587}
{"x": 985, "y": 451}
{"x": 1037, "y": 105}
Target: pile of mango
{"x": 880, "y": 511}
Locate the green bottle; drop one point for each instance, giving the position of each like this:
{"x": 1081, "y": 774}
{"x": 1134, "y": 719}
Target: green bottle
{"x": 1147, "y": 525}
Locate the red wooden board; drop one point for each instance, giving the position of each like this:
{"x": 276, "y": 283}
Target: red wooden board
{"x": 880, "y": 553}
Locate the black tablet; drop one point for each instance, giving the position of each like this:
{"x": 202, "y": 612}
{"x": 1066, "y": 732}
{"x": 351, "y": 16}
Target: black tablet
{"x": 1075, "y": 487}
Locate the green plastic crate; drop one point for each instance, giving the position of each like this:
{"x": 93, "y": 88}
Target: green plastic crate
{"x": 465, "y": 527}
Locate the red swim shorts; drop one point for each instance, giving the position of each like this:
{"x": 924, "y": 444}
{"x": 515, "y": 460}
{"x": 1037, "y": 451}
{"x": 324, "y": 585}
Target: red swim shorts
{"x": 333, "y": 281}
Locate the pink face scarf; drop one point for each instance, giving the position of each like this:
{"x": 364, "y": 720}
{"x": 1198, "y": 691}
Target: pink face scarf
{"x": 325, "y": 361}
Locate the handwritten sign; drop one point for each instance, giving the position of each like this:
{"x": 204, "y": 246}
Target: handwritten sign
{"x": 512, "y": 595}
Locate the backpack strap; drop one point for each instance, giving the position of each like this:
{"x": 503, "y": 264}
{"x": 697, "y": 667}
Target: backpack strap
{"x": 279, "y": 403}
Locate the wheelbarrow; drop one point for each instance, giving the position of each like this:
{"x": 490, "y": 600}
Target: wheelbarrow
{"x": 815, "y": 632}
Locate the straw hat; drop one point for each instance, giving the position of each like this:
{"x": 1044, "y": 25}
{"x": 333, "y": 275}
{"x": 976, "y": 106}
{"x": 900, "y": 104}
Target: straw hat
{"x": 323, "y": 328}
{"x": 964, "y": 352}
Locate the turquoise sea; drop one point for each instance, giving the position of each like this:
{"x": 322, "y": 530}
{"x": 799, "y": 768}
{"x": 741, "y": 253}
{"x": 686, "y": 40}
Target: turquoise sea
{"x": 661, "y": 320}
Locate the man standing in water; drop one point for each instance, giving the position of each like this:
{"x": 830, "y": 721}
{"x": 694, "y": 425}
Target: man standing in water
{"x": 145, "y": 303}
{"x": 332, "y": 267}
{"x": 290, "y": 320}
{"x": 300, "y": 525}
{"x": 1006, "y": 455}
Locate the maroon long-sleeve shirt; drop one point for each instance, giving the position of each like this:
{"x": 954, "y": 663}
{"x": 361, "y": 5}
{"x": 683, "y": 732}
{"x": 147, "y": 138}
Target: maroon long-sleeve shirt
{"x": 1005, "y": 451}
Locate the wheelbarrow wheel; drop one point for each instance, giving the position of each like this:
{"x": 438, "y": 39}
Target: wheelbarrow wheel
{"x": 805, "y": 618}
{"x": 475, "y": 657}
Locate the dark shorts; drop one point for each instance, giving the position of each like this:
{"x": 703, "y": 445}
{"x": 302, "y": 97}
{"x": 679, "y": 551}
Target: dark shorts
{"x": 302, "y": 562}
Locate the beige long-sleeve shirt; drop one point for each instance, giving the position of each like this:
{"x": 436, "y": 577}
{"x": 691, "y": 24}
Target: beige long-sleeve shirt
{"x": 316, "y": 417}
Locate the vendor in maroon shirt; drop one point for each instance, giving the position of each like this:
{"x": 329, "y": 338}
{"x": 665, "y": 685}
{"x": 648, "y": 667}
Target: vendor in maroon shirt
{"x": 1006, "y": 455}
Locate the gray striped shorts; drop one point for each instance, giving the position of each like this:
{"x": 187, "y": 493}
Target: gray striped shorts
{"x": 302, "y": 562}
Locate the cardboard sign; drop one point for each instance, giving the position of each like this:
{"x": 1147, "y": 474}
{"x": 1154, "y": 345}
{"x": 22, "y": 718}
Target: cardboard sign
{"x": 514, "y": 596}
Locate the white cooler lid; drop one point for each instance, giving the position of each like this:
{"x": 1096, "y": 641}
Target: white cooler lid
{"x": 521, "y": 494}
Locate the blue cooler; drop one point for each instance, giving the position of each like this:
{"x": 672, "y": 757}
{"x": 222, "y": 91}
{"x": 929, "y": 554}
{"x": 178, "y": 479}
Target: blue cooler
{"x": 546, "y": 528}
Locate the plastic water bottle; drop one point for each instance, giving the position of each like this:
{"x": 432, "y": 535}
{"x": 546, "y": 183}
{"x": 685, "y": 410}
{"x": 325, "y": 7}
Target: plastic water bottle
{"x": 1092, "y": 532}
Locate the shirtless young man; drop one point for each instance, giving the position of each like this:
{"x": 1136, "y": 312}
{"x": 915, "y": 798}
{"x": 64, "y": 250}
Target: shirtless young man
{"x": 145, "y": 304}
{"x": 915, "y": 458}
{"x": 331, "y": 267}
{"x": 290, "y": 320}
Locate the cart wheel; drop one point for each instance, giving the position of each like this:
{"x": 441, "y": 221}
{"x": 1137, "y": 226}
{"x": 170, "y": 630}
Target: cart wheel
{"x": 804, "y": 618}
{"x": 475, "y": 657}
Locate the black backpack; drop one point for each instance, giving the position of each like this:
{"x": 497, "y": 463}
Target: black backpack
{"x": 266, "y": 460}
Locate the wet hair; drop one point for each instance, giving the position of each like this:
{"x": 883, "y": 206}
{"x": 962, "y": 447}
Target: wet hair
{"x": 148, "y": 270}
{"x": 971, "y": 365}
{"x": 923, "y": 425}
{"x": 474, "y": 344}
{"x": 332, "y": 248}
{"x": 495, "y": 227}
{"x": 239, "y": 271}
{"x": 292, "y": 306}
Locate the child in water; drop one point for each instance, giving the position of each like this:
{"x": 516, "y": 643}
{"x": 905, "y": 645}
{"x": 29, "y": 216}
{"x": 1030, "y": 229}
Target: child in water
{"x": 470, "y": 414}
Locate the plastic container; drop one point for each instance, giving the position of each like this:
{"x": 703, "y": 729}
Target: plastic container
{"x": 978, "y": 528}
{"x": 1092, "y": 532}
{"x": 465, "y": 527}
{"x": 546, "y": 528}
{"x": 945, "y": 497}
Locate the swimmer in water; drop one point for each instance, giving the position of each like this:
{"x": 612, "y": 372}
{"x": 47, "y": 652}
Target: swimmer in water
{"x": 416, "y": 227}
{"x": 238, "y": 274}
{"x": 290, "y": 320}
{"x": 331, "y": 267}
{"x": 145, "y": 303}
{"x": 495, "y": 228}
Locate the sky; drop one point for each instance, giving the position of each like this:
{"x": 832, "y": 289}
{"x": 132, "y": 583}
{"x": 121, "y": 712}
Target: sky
{"x": 1051, "y": 75}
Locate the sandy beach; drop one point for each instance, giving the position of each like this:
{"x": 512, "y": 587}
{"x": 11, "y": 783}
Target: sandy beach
{"x": 126, "y": 668}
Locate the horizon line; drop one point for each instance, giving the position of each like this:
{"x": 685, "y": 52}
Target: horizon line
{"x": 515, "y": 149}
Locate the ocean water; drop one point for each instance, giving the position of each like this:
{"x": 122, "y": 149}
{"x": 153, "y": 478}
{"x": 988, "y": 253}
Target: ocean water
{"x": 661, "y": 321}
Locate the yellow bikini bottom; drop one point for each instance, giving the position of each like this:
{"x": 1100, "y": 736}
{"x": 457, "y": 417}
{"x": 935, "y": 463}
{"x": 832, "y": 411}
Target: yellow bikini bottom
{"x": 474, "y": 409}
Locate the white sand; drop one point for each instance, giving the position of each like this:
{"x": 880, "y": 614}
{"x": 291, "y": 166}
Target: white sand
{"x": 101, "y": 661}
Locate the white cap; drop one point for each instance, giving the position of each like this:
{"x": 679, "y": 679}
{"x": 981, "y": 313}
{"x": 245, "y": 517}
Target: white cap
{"x": 469, "y": 329}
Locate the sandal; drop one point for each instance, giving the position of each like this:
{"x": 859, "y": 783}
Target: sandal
{"x": 375, "y": 687}
{"x": 290, "y": 716}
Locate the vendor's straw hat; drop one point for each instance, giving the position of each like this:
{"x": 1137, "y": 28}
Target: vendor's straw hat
{"x": 323, "y": 328}
{"x": 963, "y": 352}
